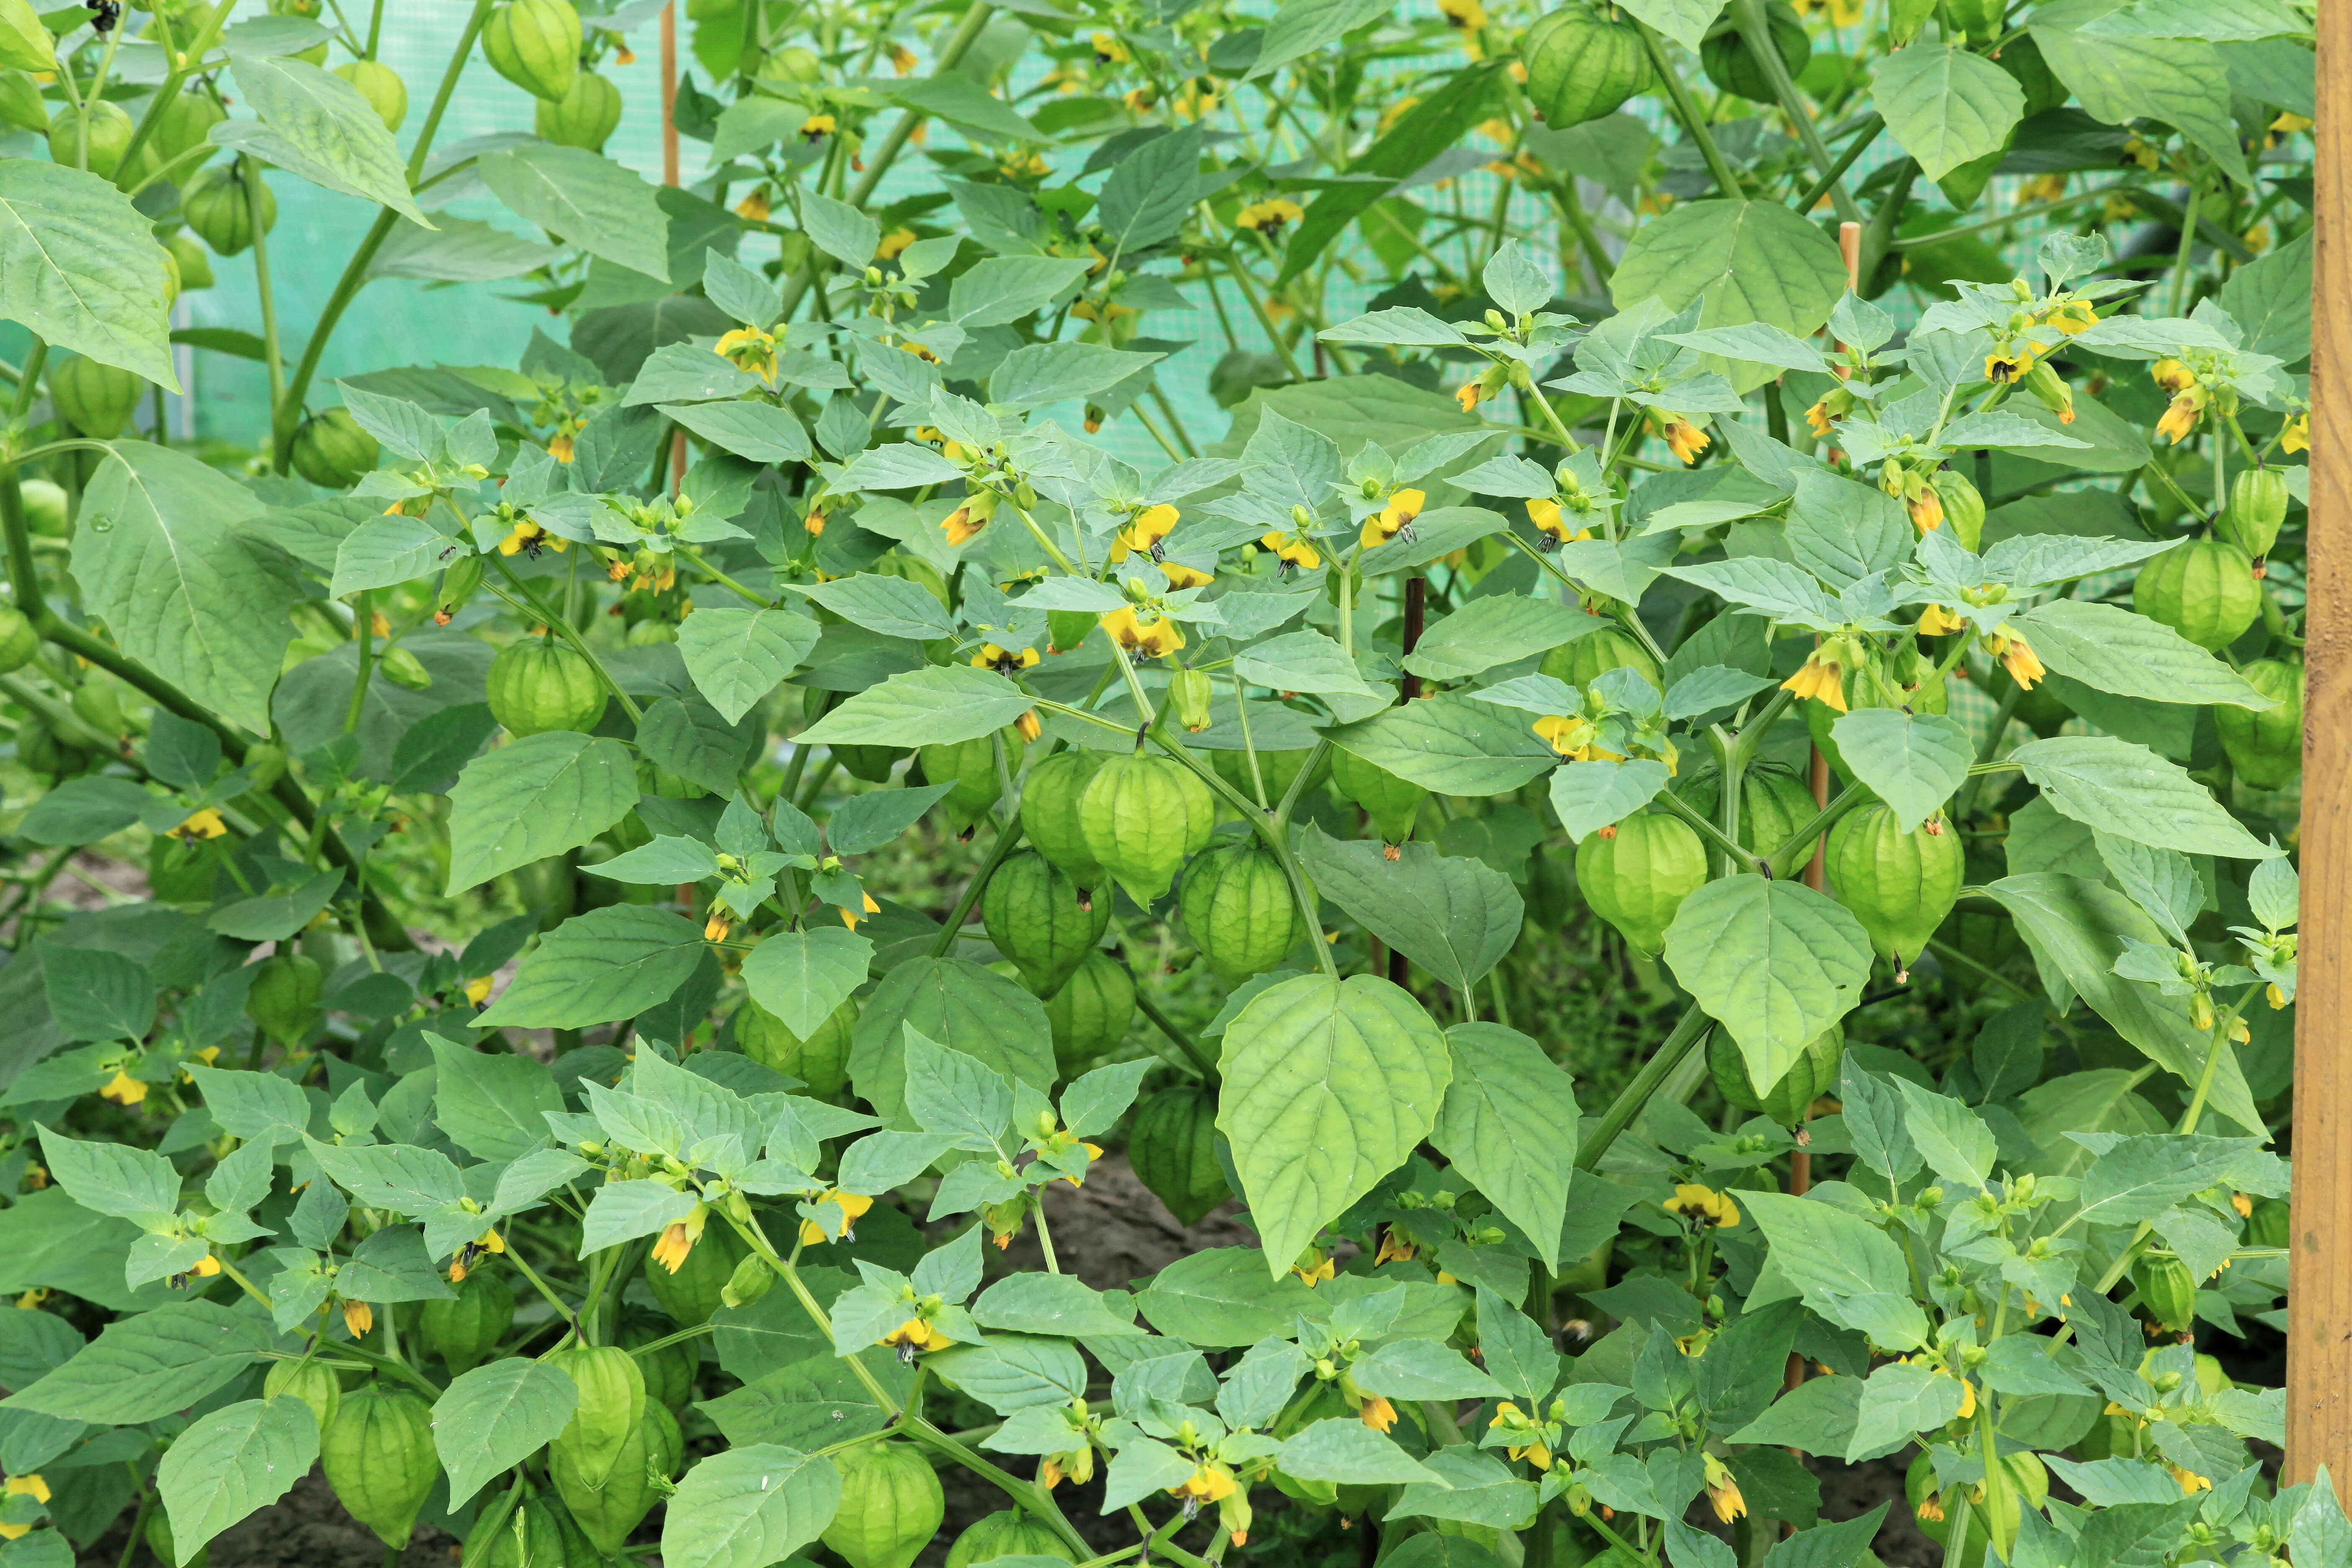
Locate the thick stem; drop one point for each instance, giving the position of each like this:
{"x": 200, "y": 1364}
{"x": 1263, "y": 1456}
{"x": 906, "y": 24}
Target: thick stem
{"x": 1688, "y": 1031}
{"x": 1686, "y": 111}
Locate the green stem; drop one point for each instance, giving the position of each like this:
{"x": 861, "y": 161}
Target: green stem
{"x": 1688, "y": 1031}
{"x": 1800, "y": 845}
{"x": 1686, "y": 111}
{"x": 1008, "y": 838}
{"x": 1741, "y": 856}
{"x": 1755, "y": 31}
{"x": 1859, "y": 144}
{"x": 1150, "y": 1009}
{"x": 271, "y": 355}
{"x": 565, "y": 629}
{"x": 363, "y": 629}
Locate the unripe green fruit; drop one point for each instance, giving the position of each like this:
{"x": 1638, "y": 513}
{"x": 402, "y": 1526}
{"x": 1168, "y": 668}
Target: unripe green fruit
{"x": 550, "y": 887}
{"x": 185, "y": 125}
{"x": 1813, "y": 1074}
{"x": 2029, "y": 1482}
{"x": 465, "y": 1328}
{"x": 96, "y": 704}
{"x": 333, "y": 452}
{"x": 1238, "y": 910}
{"x": 1899, "y": 885}
{"x": 18, "y": 640}
{"x": 528, "y": 1537}
{"x": 96, "y": 399}
{"x": 692, "y": 1294}
{"x": 1141, "y": 816}
{"x": 1042, "y": 921}
{"x": 891, "y": 1506}
{"x": 110, "y": 130}
{"x": 1637, "y": 875}
{"x": 607, "y": 1512}
{"x": 2167, "y": 1290}
{"x": 379, "y": 1457}
{"x": 1279, "y": 770}
{"x": 382, "y": 87}
{"x": 795, "y": 65}
{"x": 669, "y": 1371}
{"x": 313, "y": 1382}
{"x": 611, "y": 1402}
{"x": 1585, "y": 660}
{"x": 284, "y": 1000}
{"x": 1171, "y": 1142}
{"x": 1090, "y": 1013}
{"x": 1049, "y": 814}
{"x": 821, "y": 1062}
{"x": 1732, "y": 66}
{"x": 534, "y": 44}
{"x": 586, "y": 116}
{"x": 21, "y": 104}
{"x": 1581, "y": 65}
{"x": 48, "y": 510}
{"x": 875, "y": 764}
{"x": 2265, "y": 748}
{"x": 1007, "y": 1534}
{"x": 2203, "y": 589}
{"x": 1391, "y": 801}
{"x": 540, "y": 684}
{"x": 2257, "y": 508}
{"x": 1964, "y": 508}
{"x": 1773, "y": 804}
{"x": 1188, "y": 694}
{"x": 39, "y": 749}
{"x": 215, "y": 203}
{"x": 971, "y": 766}
{"x": 751, "y": 1280}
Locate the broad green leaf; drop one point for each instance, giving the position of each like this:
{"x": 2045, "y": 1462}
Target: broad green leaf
{"x": 2111, "y": 648}
{"x": 1899, "y": 1400}
{"x": 1589, "y": 797}
{"x": 1501, "y": 1125}
{"x": 685, "y": 736}
{"x": 1449, "y": 744}
{"x": 2117, "y": 79}
{"x": 1047, "y": 1304}
{"x": 144, "y": 1367}
{"x": 462, "y": 251}
{"x": 98, "y": 995}
{"x": 870, "y": 820}
{"x": 1013, "y": 1372}
{"x": 969, "y": 106}
{"x": 2269, "y": 299}
{"x": 1329, "y": 1085}
{"x": 1772, "y": 962}
{"x": 401, "y": 1177}
{"x": 1304, "y": 661}
{"x": 1832, "y": 1257}
{"x": 160, "y": 557}
{"x": 80, "y": 265}
{"x": 1150, "y": 191}
{"x": 1470, "y": 1486}
{"x": 1952, "y": 1139}
{"x": 1947, "y": 106}
{"x": 535, "y": 797}
{"x": 623, "y": 1211}
{"x": 801, "y": 976}
{"x": 317, "y": 125}
{"x": 1492, "y": 630}
{"x": 1738, "y": 261}
{"x": 2140, "y": 1177}
{"x": 1345, "y": 1450}
{"x": 2132, "y": 793}
{"x": 232, "y": 1461}
{"x": 737, "y": 656}
{"x": 1221, "y": 1297}
{"x": 1913, "y": 761}
{"x": 492, "y": 1104}
{"x": 748, "y": 1507}
{"x": 606, "y": 965}
{"x": 393, "y": 1265}
{"x": 1420, "y": 1369}
{"x": 259, "y": 1107}
{"x": 959, "y": 1004}
{"x": 891, "y": 606}
{"x": 496, "y": 1417}
{"x": 1003, "y": 289}
{"x": 117, "y": 1179}
{"x": 817, "y": 1401}
{"x": 935, "y": 705}
{"x": 1684, "y": 21}
{"x": 1035, "y": 374}
{"x": 85, "y": 810}
{"x": 1452, "y": 915}
{"x": 761, "y": 431}
{"x": 590, "y": 201}
{"x": 1841, "y": 530}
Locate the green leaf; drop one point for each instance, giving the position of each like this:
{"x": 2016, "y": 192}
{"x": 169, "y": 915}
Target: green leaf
{"x": 1304, "y": 661}
{"x": 1774, "y": 962}
{"x": 1003, "y": 289}
{"x": 969, "y": 106}
{"x": 1452, "y": 915}
{"x": 145, "y": 1367}
{"x": 1449, "y": 744}
{"x": 2269, "y": 299}
{"x": 2132, "y": 793}
{"x": 259, "y": 1107}
{"x": 892, "y": 606}
{"x": 1047, "y": 1304}
{"x": 1501, "y": 1125}
{"x": 1352, "y": 1070}
{"x": 1591, "y": 796}
{"x": 317, "y": 125}
{"x": 1738, "y": 261}
{"x": 401, "y": 1177}
{"x": 1899, "y": 1400}
{"x": 1013, "y": 1372}
{"x": 1221, "y": 1297}
{"x": 840, "y": 230}
{"x": 2180, "y": 81}
{"x": 160, "y": 557}
{"x": 2140, "y": 1177}
{"x": 1437, "y": 122}
{"x": 737, "y": 656}
{"x": 112, "y": 1178}
{"x": 1496, "y": 629}
{"x": 392, "y": 1265}
{"x": 811, "y": 1402}
{"x": 1953, "y": 1139}
{"x": 2112, "y": 649}
{"x": 98, "y": 995}
{"x": 462, "y": 251}
{"x": 685, "y": 736}
{"x": 1035, "y": 374}
{"x": 492, "y": 1104}
{"x": 533, "y": 798}
{"x": 1150, "y": 191}
{"x": 496, "y": 1417}
{"x": 1472, "y": 1486}
{"x": 232, "y": 1461}
{"x": 938, "y": 704}
{"x": 85, "y": 810}
{"x": 79, "y": 265}
{"x": 274, "y": 917}
{"x": 802, "y": 977}
{"x": 595, "y": 968}
{"x": 1832, "y": 1257}
{"x": 761, "y": 431}
{"x": 1343, "y": 1449}
{"x": 1913, "y": 761}
{"x": 1947, "y": 106}
{"x": 623, "y": 1211}
{"x": 958, "y": 1004}
{"x": 1684, "y": 21}
{"x": 747, "y": 1508}
{"x": 1842, "y": 531}
{"x": 1421, "y": 1369}
{"x": 584, "y": 199}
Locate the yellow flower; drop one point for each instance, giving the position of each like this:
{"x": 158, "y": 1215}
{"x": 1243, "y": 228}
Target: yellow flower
{"x": 560, "y": 448}
{"x": 1028, "y": 727}
{"x": 902, "y": 58}
{"x": 816, "y": 127}
{"x": 2181, "y": 415}
{"x": 2008, "y": 365}
{"x": 1930, "y": 1510}
{"x": 1466, "y": 15}
{"x": 1293, "y": 549}
{"x": 915, "y": 1334}
{"x": 528, "y": 535}
{"x": 897, "y": 240}
{"x": 2274, "y": 997}
{"x": 1935, "y": 621}
{"x": 1703, "y": 1206}
{"x": 1683, "y": 439}
{"x": 2048, "y": 188}
{"x": 2071, "y": 316}
{"x": 2016, "y": 658}
{"x": 1396, "y": 1246}
{"x": 31, "y": 1300}
{"x": 1820, "y": 418}
{"x": 28, "y": 1486}
{"x": 1468, "y": 394}
{"x": 851, "y": 920}
{"x": 1161, "y": 638}
{"x": 1393, "y": 519}
{"x": 677, "y": 1238}
{"x": 123, "y": 1090}
{"x": 1109, "y": 50}
{"x": 1722, "y": 1491}
{"x": 2287, "y": 124}
{"x": 1144, "y": 531}
{"x": 2296, "y": 435}
{"x": 852, "y": 1209}
{"x": 1268, "y": 217}
{"x": 1546, "y": 516}
{"x": 1209, "y": 1483}
{"x": 1094, "y": 1152}
{"x": 1967, "y": 1400}
{"x": 1567, "y": 735}
{"x": 715, "y": 928}
{"x": 754, "y": 205}
{"x": 2192, "y": 1483}
{"x": 477, "y": 991}
{"x": 1179, "y": 575}
{"x": 205, "y": 824}
{"x": 1926, "y": 510}
{"x": 358, "y": 1316}
{"x": 2172, "y": 375}
{"x": 1003, "y": 661}
{"x": 1316, "y": 1269}
{"x": 750, "y": 349}
{"x": 1823, "y": 679}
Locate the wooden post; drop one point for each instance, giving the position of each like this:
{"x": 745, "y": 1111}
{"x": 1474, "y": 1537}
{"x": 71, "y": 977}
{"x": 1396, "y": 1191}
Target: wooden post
{"x": 2319, "y": 1264}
